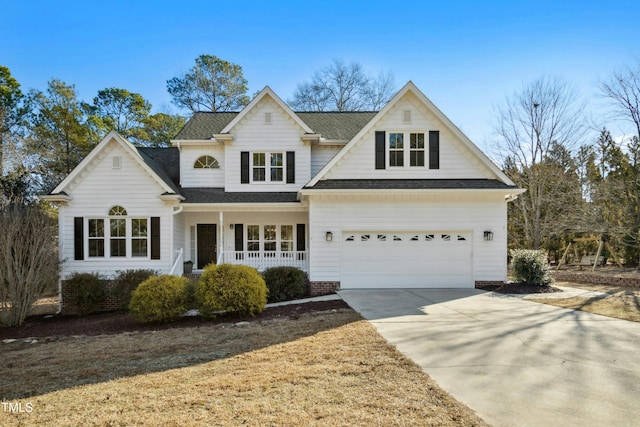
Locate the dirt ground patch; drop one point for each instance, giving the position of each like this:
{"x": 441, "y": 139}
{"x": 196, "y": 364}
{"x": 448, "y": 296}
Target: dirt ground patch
{"x": 324, "y": 368}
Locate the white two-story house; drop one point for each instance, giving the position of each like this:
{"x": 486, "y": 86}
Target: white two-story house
{"x": 394, "y": 198}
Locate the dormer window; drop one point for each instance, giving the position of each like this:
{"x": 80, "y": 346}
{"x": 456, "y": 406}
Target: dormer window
{"x": 206, "y": 162}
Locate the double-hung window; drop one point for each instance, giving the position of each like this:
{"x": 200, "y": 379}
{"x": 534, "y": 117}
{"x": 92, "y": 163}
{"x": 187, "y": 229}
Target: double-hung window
{"x": 277, "y": 167}
{"x": 96, "y": 237}
{"x": 268, "y": 167}
{"x": 259, "y": 167}
{"x": 118, "y": 236}
{"x": 416, "y": 149}
{"x": 402, "y": 154}
{"x": 396, "y": 149}
{"x": 139, "y": 237}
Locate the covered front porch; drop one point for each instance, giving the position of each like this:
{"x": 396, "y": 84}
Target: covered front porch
{"x": 257, "y": 237}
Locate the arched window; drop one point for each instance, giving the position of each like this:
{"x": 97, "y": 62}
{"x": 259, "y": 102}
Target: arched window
{"x": 206, "y": 162}
{"x": 117, "y": 211}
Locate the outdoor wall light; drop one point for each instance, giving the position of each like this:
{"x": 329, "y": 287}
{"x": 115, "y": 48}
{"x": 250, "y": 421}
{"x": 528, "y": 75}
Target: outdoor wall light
{"x": 488, "y": 236}
{"x": 231, "y": 226}
{"x": 329, "y": 236}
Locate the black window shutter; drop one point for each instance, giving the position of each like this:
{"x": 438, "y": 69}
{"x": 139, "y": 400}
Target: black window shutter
{"x": 291, "y": 167}
{"x": 244, "y": 167}
{"x": 155, "y": 237}
{"x": 78, "y": 238}
{"x": 380, "y": 149}
{"x": 301, "y": 238}
{"x": 434, "y": 149}
{"x": 239, "y": 230}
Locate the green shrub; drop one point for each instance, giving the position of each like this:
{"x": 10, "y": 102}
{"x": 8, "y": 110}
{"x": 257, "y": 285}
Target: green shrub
{"x": 530, "y": 267}
{"x": 233, "y": 288}
{"x": 88, "y": 290}
{"x": 191, "y": 289}
{"x": 159, "y": 299}
{"x": 126, "y": 282}
{"x": 286, "y": 283}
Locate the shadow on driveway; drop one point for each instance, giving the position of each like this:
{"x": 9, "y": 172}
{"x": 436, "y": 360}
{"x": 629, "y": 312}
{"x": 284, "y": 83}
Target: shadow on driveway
{"x": 515, "y": 362}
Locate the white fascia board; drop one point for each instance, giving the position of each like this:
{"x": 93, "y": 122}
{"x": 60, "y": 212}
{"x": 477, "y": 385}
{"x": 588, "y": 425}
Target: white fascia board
{"x": 56, "y": 198}
{"x": 411, "y": 191}
{"x": 183, "y": 142}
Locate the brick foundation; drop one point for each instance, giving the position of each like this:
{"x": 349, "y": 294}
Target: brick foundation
{"x": 489, "y": 283}
{"x": 598, "y": 279}
{"x": 323, "y": 288}
{"x": 110, "y": 303}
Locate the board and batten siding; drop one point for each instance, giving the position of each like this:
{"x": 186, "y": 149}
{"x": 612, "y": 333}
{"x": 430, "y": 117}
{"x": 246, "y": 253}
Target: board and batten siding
{"x": 339, "y": 214}
{"x": 455, "y": 159}
{"x": 96, "y": 193}
{"x": 321, "y": 155}
{"x": 191, "y": 177}
{"x": 252, "y": 134}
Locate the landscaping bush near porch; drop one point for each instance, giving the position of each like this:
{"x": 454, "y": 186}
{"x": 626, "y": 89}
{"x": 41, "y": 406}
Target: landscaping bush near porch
{"x": 159, "y": 299}
{"x": 232, "y": 288}
{"x": 286, "y": 283}
{"x": 87, "y": 291}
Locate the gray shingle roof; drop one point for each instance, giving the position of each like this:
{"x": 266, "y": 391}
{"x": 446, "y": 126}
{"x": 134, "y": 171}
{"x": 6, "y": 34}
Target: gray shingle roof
{"x": 342, "y": 126}
{"x": 203, "y": 125}
{"x": 337, "y": 125}
{"x": 218, "y": 195}
{"x": 165, "y": 162}
{"x": 409, "y": 184}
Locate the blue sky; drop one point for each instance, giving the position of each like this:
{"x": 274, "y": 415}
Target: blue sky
{"x": 466, "y": 56}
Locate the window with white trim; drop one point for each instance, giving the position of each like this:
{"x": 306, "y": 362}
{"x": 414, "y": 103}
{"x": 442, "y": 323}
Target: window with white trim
{"x": 270, "y": 238}
{"x": 416, "y": 149}
{"x": 401, "y": 154}
{"x": 96, "y": 237}
{"x": 268, "y": 167}
{"x": 396, "y": 149}
{"x": 123, "y": 237}
{"x": 253, "y": 238}
{"x": 139, "y": 237}
{"x": 286, "y": 238}
{"x": 206, "y": 162}
{"x": 277, "y": 167}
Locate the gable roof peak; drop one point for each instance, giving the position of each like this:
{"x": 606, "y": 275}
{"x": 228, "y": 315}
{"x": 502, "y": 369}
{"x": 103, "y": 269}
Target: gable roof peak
{"x": 256, "y": 100}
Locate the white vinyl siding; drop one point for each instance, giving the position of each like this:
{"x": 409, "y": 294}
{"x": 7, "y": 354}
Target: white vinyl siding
{"x": 342, "y": 214}
{"x": 191, "y": 176}
{"x": 455, "y": 158}
{"x": 93, "y": 197}
{"x": 282, "y": 135}
{"x": 321, "y": 155}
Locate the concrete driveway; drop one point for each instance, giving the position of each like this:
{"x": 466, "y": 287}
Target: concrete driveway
{"x": 513, "y": 361}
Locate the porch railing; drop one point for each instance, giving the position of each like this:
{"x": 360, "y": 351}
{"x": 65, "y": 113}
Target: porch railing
{"x": 178, "y": 267}
{"x": 262, "y": 260}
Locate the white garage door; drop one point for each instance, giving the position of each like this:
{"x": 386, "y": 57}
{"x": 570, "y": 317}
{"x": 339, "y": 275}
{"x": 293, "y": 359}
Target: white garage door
{"x": 406, "y": 260}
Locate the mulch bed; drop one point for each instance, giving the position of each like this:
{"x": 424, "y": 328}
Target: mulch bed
{"x": 519, "y": 288}
{"x": 118, "y": 322}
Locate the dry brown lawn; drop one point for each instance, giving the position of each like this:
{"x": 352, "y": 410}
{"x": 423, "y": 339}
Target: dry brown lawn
{"x": 329, "y": 369}
{"x": 622, "y": 302}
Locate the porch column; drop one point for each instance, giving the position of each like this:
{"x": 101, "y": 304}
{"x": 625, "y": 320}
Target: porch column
{"x": 221, "y": 238}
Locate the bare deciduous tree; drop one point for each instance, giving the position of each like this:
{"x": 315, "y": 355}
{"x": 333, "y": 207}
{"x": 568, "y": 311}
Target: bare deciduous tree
{"x": 28, "y": 260}
{"x": 343, "y": 87}
{"x": 532, "y": 125}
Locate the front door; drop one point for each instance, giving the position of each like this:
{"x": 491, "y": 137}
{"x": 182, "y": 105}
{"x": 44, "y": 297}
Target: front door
{"x": 207, "y": 244}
